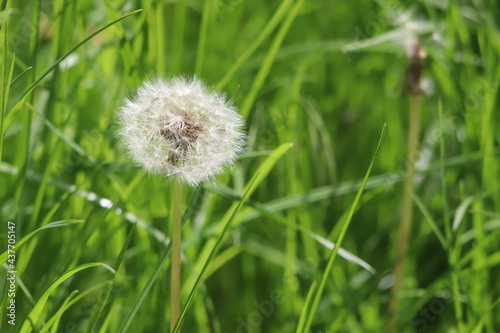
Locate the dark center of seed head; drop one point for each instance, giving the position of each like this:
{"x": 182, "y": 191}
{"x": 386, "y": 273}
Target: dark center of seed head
{"x": 181, "y": 133}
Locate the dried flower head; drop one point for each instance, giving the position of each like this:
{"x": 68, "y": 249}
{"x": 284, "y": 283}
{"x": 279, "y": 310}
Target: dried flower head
{"x": 178, "y": 128}
{"x": 414, "y": 70}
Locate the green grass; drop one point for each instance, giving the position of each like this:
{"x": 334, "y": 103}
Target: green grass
{"x": 258, "y": 249}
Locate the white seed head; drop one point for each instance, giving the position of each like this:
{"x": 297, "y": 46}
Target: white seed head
{"x": 178, "y": 128}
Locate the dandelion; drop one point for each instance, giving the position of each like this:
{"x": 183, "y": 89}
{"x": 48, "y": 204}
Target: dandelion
{"x": 413, "y": 86}
{"x": 178, "y": 128}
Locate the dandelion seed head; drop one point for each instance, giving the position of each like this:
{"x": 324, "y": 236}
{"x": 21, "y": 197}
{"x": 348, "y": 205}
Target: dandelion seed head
{"x": 180, "y": 129}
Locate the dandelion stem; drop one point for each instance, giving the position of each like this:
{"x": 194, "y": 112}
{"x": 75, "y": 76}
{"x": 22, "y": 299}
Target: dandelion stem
{"x": 407, "y": 210}
{"x": 175, "y": 277}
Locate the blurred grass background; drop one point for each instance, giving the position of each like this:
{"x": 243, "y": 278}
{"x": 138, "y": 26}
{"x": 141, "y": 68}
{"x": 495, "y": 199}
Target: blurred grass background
{"x": 323, "y": 75}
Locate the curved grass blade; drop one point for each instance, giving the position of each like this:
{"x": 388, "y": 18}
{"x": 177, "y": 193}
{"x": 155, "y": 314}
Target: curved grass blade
{"x": 222, "y": 259}
{"x": 6, "y": 83}
{"x": 103, "y": 299}
{"x": 4, "y": 255}
{"x": 259, "y": 175}
{"x": 21, "y": 75}
{"x": 36, "y": 312}
{"x": 329, "y": 191}
{"x": 273, "y": 22}
{"x": 460, "y": 213}
{"x": 146, "y": 289}
{"x": 25, "y": 290}
{"x": 486, "y": 242}
{"x": 262, "y": 210}
{"x": 340, "y": 238}
{"x": 430, "y": 220}
{"x": 202, "y": 40}
{"x": 211, "y": 255}
{"x": 270, "y": 57}
{"x": 76, "y": 47}
{"x": 91, "y": 197}
{"x": 75, "y": 146}
{"x": 302, "y": 319}
{"x": 105, "y": 324}
{"x": 265, "y": 168}
{"x": 54, "y": 320}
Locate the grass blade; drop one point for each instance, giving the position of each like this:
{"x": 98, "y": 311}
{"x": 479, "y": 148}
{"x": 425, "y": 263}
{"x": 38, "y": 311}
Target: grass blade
{"x": 75, "y": 146}
{"x": 6, "y": 83}
{"x": 35, "y": 314}
{"x": 302, "y": 319}
{"x": 460, "y": 213}
{"x": 103, "y": 299}
{"x": 430, "y": 220}
{"x": 259, "y": 175}
{"x": 189, "y": 210}
{"x": 273, "y": 22}
{"x": 76, "y": 47}
{"x": 3, "y": 256}
{"x": 200, "y": 55}
{"x": 261, "y": 209}
{"x": 21, "y": 75}
{"x": 53, "y": 322}
{"x": 271, "y": 55}
{"x": 211, "y": 255}
{"x": 340, "y": 238}
{"x": 146, "y": 289}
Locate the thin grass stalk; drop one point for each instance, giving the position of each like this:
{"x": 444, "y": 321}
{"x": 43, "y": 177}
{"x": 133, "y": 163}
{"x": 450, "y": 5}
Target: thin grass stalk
{"x": 454, "y": 252}
{"x": 333, "y": 254}
{"x": 58, "y": 61}
{"x": 175, "y": 277}
{"x": 202, "y": 40}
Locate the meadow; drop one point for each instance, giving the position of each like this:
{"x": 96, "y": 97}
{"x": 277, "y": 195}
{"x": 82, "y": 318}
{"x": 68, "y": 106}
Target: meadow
{"x": 322, "y": 87}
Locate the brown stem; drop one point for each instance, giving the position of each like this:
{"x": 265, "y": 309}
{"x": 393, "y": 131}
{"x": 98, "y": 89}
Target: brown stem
{"x": 407, "y": 209}
{"x": 175, "y": 277}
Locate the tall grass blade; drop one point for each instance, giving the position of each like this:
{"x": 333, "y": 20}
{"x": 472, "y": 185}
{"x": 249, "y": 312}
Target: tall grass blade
{"x": 103, "y": 299}
{"x": 58, "y": 61}
{"x": 6, "y": 78}
{"x": 303, "y": 314}
{"x": 35, "y": 314}
{"x": 268, "y": 62}
{"x": 268, "y": 29}
{"x": 338, "y": 243}
{"x": 64, "y": 223}
{"x": 145, "y": 290}
{"x": 259, "y": 175}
